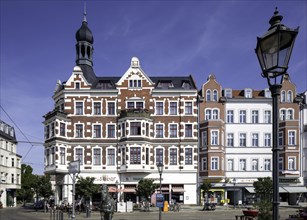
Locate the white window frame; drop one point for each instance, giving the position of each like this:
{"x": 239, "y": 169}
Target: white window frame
{"x": 243, "y": 116}
{"x": 214, "y": 137}
{"x": 208, "y": 95}
{"x": 98, "y": 159}
{"x": 215, "y": 96}
{"x": 79, "y": 158}
{"x": 242, "y": 164}
{"x": 267, "y": 139}
{"x": 169, "y": 130}
{"x": 111, "y": 162}
{"x": 204, "y": 139}
{"x": 156, "y": 108}
{"x": 291, "y": 137}
{"x": 230, "y": 116}
{"x": 230, "y": 136}
{"x": 215, "y": 163}
{"x": 255, "y": 165}
{"x": 292, "y": 163}
{"x": 204, "y": 164}
{"x": 169, "y": 108}
{"x": 267, "y": 164}
{"x": 230, "y": 165}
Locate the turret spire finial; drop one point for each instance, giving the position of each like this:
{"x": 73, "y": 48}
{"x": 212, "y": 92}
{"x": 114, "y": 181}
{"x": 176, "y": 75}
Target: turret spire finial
{"x": 84, "y": 13}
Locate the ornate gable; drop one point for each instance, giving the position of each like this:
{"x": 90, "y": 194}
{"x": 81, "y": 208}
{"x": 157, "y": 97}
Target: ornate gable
{"x": 77, "y": 80}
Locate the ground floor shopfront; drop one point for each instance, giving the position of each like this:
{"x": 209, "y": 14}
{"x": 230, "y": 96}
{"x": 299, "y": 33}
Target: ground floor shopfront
{"x": 246, "y": 195}
{"x": 175, "y": 186}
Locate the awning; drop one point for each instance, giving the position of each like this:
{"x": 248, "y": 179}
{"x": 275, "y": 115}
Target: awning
{"x": 217, "y": 190}
{"x": 178, "y": 189}
{"x": 164, "y": 188}
{"x": 295, "y": 189}
{"x": 129, "y": 190}
{"x": 112, "y": 189}
{"x": 250, "y": 189}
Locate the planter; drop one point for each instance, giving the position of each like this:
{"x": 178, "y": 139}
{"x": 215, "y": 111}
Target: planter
{"x": 252, "y": 213}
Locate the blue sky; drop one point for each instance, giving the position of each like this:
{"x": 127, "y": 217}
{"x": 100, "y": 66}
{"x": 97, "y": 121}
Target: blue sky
{"x": 37, "y": 45}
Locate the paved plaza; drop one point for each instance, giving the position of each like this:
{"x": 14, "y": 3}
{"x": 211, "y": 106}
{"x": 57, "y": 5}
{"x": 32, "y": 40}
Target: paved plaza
{"x": 187, "y": 213}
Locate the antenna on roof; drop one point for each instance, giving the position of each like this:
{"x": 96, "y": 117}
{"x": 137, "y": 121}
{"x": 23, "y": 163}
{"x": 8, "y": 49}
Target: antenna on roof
{"x": 84, "y": 12}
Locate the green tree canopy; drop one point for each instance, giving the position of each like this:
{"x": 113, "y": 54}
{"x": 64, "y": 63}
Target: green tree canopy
{"x": 85, "y": 187}
{"x": 264, "y": 188}
{"x": 205, "y": 186}
{"x": 25, "y": 193}
{"x": 145, "y": 188}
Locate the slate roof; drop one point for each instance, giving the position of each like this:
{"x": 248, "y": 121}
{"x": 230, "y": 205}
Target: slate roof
{"x": 7, "y": 131}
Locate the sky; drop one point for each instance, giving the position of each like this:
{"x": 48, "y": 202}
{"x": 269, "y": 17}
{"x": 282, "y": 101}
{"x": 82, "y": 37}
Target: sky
{"x": 174, "y": 38}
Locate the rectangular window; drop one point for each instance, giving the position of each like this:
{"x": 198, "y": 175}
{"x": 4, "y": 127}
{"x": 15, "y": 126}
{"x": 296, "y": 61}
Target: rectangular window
{"x": 173, "y": 156}
{"x": 267, "y": 140}
{"x": 254, "y": 165}
{"x": 291, "y": 163}
{"x": 230, "y": 165}
{"x": 281, "y": 163}
{"x": 188, "y": 130}
{"x": 188, "y": 108}
{"x": 230, "y": 142}
{"x": 188, "y": 156}
{"x": 159, "y": 156}
{"x": 13, "y": 162}
{"x": 79, "y": 108}
{"x": 111, "y": 108}
{"x": 62, "y": 156}
{"x": 62, "y": 129}
{"x": 173, "y": 108}
{"x": 204, "y": 139}
{"x": 79, "y": 130}
{"x": 280, "y": 139}
{"x": 123, "y": 128}
{"x": 135, "y": 83}
{"x": 111, "y": 131}
{"x": 79, "y": 155}
{"x": 242, "y": 141}
{"x": 214, "y": 163}
{"x": 130, "y": 105}
{"x": 97, "y": 108}
{"x": 242, "y": 116}
{"x": 173, "y": 130}
{"x": 267, "y": 164}
{"x": 204, "y": 164}
{"x": 97, "y": 131}
{"x": 255, "y": 117}
{"x": 267, "y": 117}
{"x": 230, "y": 118}
{"x": 159, "y": 131}
{"x": 123, "y": 156}
{"x": 147, "y": 156}
{"x": 52, "y": 130}
{"x": 135, "y": 155}
{"x": 255, "y": 140}
{"x": 111, "y": 156}
{"x": 282, "y": 115}
{"x": 228, "y": 93}
{"x": 291, "y": 138}
{"x": 97, "y": 156}
{"x": 242, "y": 165}
{"x": 159, "y": 108}
{"x": 135, "y": 128}
{"x": 47, "y": 132}
{"x": 214, "y": 138}
{"x": 215, "y": 114}
{"x": 139, "y": 105}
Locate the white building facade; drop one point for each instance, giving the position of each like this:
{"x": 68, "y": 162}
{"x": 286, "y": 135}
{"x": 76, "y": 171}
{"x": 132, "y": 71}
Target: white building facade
{"x": 10, "y": 168}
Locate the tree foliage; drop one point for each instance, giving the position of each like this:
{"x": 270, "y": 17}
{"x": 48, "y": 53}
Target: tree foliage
{"x": 85, "y": 187}
{"x": 145, "y": 188}
{"x": 26, "y": 193}
{"x": 206, "y": 186}
{"x": 264, "y": 188}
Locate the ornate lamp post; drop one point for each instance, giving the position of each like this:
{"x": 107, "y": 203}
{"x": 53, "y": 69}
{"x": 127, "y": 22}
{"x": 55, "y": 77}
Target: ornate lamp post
{"x": 160, "y": 170}
{"x": 273, "y": 51}
{"x": 234, "y": 192}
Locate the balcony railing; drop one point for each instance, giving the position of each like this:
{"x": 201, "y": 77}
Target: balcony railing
{"x": 55, "y": 112}
{"x": 134, "y": 113}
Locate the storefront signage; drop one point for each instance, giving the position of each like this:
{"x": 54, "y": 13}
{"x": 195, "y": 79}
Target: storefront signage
{"x": 159, "y": 200}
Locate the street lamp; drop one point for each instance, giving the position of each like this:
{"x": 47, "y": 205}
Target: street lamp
{"x": 160, "y": 170}
{"x": 273, "y": 52}
{"x": 234, "y": 191}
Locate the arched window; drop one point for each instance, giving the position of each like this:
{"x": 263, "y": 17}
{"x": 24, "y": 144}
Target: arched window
{"x": 290, "y": 114}
{"x": 283, "y": 96}
{"x": 208, "y": 95}
{"x": 289, "y": 96}
{"x": 208, "y": 114}
{"x": 215, "y": 114}
{"x": 215, "y": 95}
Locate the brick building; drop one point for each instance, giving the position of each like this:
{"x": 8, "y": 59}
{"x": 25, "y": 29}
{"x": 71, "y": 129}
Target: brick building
{"x": 120, "y": 128}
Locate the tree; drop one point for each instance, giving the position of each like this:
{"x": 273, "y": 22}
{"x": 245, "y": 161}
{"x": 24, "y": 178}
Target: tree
{"x": 26, "y": 192}
{"x": 85, "y": 187}
{"x": 206, "y": 186}
{"x": 264, "y": 190}
{"x": 145, "y": 188}
{"x": 42, "y": 188}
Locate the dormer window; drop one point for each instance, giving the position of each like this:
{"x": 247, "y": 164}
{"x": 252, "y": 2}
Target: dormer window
{"x": 77, "y": 85}
{"x": 165, "y": 84}
{"x": 186, "y": 85}
{"x": 135, "y": 83}
{"x": 248, "y": 93}
{"x": 267, "y": 93}
{"x": 228, "y": 93}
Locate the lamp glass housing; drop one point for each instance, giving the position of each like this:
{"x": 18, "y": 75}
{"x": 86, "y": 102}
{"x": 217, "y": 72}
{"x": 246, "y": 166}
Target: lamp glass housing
{"x": 274, "y": 50}
{"x": 160, "y": 168}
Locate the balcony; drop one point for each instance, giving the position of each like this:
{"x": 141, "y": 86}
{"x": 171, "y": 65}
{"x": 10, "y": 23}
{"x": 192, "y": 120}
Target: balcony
{"x": 134, "y": 113}
{"x": 55, "y": 112}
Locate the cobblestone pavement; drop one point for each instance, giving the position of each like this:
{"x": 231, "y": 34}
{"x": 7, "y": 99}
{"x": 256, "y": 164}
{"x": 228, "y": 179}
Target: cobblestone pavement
{"x": 187, "y": 213}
